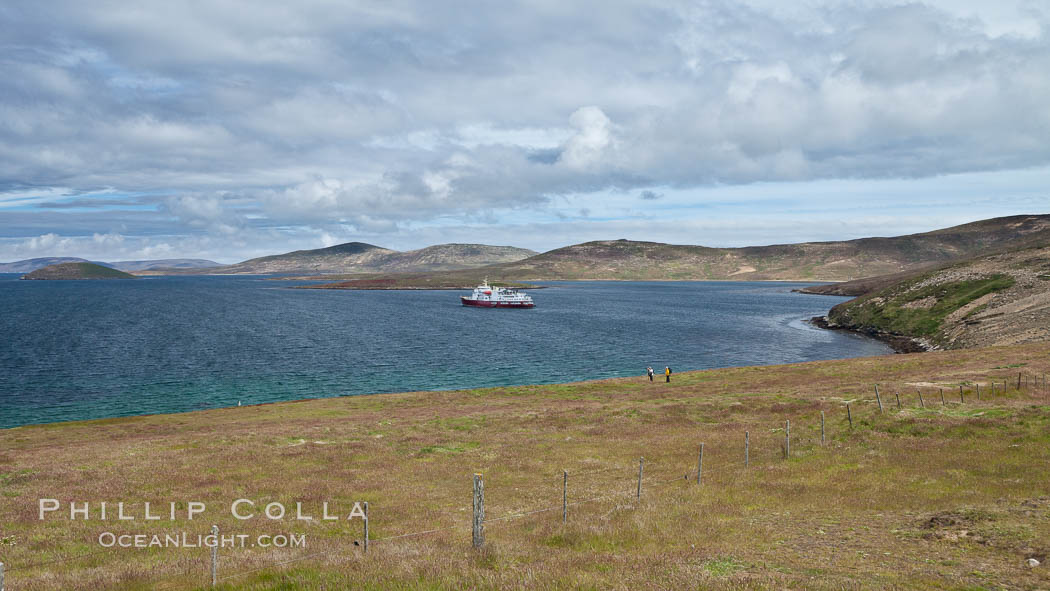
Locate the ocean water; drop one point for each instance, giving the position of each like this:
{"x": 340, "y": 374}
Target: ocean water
{"x": 90, "y": 349}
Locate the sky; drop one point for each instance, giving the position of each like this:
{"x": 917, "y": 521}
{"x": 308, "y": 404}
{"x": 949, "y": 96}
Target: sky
{"x": 228, "y": 129}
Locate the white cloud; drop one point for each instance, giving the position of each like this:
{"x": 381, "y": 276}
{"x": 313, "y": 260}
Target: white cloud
{"x": 107, "y": 241}
{"x": 587, "y": 146}
{"x": 45, "y": 242}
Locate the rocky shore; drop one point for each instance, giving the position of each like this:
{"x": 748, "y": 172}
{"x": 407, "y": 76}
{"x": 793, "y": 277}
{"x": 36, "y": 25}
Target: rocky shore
{"x": 899, "y": 343}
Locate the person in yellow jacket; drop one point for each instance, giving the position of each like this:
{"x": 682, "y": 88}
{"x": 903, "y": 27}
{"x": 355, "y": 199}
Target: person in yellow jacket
{"x": 667, "y": 374}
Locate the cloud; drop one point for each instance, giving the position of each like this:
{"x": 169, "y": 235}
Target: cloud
{"x": 593, "y": 136}
{"x": 45, "y": 242}
{"x": 382, "y": 119}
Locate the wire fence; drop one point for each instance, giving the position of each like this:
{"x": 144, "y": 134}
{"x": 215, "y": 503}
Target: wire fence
{"x": 758, "y": 446}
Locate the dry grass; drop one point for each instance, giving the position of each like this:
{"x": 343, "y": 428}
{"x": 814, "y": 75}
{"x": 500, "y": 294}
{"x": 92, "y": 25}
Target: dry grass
{"x": 947, "y": 497}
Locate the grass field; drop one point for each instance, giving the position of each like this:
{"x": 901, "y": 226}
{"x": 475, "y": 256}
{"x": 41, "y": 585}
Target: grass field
{"x": 953, "y": 496}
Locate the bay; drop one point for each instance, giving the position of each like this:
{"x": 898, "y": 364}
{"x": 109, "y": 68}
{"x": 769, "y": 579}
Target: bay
{"x": 74, "y": 350}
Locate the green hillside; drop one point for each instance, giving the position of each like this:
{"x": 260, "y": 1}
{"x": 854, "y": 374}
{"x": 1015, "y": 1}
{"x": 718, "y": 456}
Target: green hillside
{"x": 1001, "y": 298}
{"x": 77, "y": 271}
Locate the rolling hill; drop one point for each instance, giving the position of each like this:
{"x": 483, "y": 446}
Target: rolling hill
{"x": 30, "y": 265}
{"x": 132, "y": 266}
{"x": 360, "y": 257}
{"x": 810, "y": 261}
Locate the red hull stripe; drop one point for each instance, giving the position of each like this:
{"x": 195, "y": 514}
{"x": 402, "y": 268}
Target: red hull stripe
{"x": 488, "y": 304}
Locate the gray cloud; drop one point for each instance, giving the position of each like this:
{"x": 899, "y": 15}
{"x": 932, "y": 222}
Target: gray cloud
{"x": 374, "y": 119}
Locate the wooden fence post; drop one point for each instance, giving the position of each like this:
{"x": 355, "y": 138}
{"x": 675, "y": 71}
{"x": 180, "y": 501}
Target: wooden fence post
{"x": 478, "y": 536}
{"x": 961, "y": 399}
{"x": 849, "y": 416}
{"x": 564, "y": 496}
{"x": 366, "y": 527}
{"x": 921, "y": 403}
{"x": 898, "y": 400}
{"x": 821, "y": 428}
{"x": 877, "y": 397}
{"x": 978, "y": 390}
{"x": 747, "y": 448}
{"x": 787, "y": 439}
{"x": 215, "y": 556}
{"x": 943, "y": 403}
{"x": 700, "y": 464}
{"x": 641, "y": 464}
{"x": 1018, "y": 381}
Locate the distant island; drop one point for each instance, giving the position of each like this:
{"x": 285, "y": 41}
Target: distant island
{"x": 30, "y": 265}
{"x": 77, "y": 271}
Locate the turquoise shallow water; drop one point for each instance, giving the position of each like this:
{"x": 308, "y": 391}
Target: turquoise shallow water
{"x": 91, "y": 349}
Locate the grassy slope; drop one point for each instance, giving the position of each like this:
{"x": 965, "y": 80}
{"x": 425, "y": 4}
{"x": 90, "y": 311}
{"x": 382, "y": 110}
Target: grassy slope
{"x": 948, "y": 497}
{"x": 901, "y": 309}
{"x": 994, "y": 299}
{"x": 77, "y": 271}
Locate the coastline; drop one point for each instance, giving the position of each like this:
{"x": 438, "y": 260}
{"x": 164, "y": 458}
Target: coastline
{"x": 165, "y": 416}
{"x": 899, "y": 343}
{"x": 383, "y": 398}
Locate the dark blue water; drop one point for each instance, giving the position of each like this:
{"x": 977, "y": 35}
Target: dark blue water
{"x": 90, "y": 349}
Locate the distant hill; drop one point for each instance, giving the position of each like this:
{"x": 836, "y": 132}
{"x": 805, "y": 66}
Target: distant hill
{"x": 444, "y": 257}
{"x": 77, "y": 271}
{"x": 808, "y": 261}
{"x": 29, "y": 265}
{"x": 996, "y": 299}
{"x": 360, "y": 257}
{"x": 342, "y": 258}
{"x": 33, "y": 264}
{"x": 131, "y": 266}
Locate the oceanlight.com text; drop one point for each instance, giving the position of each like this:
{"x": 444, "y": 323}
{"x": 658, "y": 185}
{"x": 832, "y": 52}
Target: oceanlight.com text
{"x": 188, "y": 540}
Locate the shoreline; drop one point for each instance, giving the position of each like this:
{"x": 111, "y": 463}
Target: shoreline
{"x": 899, "y": 343}
{"x": 87, "y": 422}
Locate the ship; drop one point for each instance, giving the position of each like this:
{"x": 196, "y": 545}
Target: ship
{"x": 486, "y": 296}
